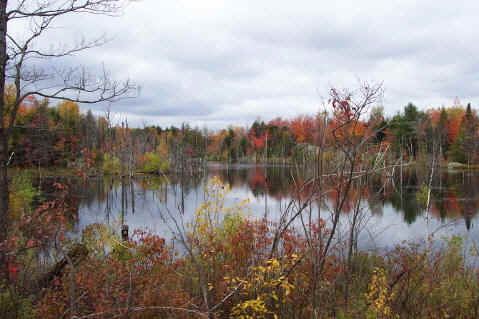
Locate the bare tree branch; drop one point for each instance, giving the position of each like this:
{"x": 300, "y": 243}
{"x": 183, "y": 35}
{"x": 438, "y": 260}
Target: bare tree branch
{"x": 55, "y": 8}
{"x": 73, "y": 84}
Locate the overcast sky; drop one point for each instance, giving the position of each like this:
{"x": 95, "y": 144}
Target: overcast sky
{"x": 215, "y": 63}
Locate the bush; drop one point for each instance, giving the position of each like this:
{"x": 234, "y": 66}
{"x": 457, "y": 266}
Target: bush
{"x": 154, "y": 164}
{"x": 225, "y": 253}
{"x": 22, "y": 193}
{"x": 111, "y": 164}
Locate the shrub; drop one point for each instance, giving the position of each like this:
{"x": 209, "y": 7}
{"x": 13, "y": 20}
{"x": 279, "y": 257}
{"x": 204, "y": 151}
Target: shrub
{"x": 154, "y": 164}
{"x": 22, "y": 193}
{"x": 111, "y": 164}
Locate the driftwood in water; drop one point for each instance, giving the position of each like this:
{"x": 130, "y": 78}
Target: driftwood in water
{"x": 76, "y": 254}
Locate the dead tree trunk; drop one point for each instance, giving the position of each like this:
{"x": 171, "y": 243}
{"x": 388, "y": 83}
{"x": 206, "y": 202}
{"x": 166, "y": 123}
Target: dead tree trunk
{"x": 3, "y": 145}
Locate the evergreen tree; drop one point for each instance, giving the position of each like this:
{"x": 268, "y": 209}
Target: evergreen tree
{"x": 404, "y": 128}
{"x": 469, "y": 129}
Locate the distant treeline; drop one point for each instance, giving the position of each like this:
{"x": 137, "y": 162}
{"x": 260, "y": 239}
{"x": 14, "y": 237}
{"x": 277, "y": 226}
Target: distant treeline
{"x": 59, "y": 135}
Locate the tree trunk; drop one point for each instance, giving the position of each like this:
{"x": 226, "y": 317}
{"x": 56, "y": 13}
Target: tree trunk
{"x": 3, "y": 205}
{"x": 3, "y": 143}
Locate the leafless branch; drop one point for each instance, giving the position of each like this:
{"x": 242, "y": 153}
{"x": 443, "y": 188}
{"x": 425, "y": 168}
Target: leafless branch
{"x": 55, "y": 8}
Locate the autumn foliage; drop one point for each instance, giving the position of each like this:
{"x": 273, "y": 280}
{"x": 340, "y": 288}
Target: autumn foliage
{"x": 224, "y": 267}
{"x": 60, "y": 135}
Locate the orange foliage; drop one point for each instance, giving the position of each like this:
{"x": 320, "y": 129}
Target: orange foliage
{"x": 434, "y": 115}
{"x": 302, "y": 128}
{"x": 455, "y": 116}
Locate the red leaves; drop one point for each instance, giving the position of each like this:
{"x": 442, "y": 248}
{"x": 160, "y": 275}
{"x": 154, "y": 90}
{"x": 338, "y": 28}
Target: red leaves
{"x": 13, "y": 271}
{"x": 343, "y": 109}
{"x": 453, "y": 129}
{"x": 30, "y": 243}
{"x": 32, "y": 231}
{"x": 258, "y": 142}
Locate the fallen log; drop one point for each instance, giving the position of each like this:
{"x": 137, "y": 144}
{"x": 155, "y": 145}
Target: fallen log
{"x": 76, "y": 254}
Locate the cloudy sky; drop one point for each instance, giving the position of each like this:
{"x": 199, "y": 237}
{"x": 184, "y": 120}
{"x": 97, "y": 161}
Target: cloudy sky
{"x": 215, "y": 63}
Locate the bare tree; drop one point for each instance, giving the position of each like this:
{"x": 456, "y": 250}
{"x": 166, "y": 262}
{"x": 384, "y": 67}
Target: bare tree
{"x": 348, "y": 143}
{"x": 23, "y": 62}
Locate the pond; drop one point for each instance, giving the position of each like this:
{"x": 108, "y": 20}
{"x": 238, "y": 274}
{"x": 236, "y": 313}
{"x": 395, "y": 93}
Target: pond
{"x": 391, "y": 208}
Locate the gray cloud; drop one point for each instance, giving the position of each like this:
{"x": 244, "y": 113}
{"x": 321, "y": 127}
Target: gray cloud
{"x": 217, "y": 63}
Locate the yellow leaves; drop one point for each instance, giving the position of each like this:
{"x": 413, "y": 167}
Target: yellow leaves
{"x": 287, "y": 287}
{"x": 254, "y": 308}
{"x": 268, "y": 288}
{"x": 378, "y": 296}
{"x": 69, "y": 111}
{"x": 215, "y": 223}
{"x": 274, "y": 263}
{"x": 213, "y": 234}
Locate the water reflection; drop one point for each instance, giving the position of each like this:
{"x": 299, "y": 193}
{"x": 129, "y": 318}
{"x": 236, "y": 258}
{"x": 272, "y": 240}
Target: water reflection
{"x": 393, "y": 204}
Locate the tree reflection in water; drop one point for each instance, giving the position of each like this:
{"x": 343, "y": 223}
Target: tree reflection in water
{"x": 455, "y": 196}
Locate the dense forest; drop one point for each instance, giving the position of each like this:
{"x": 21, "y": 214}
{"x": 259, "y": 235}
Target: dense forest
{"x": 47, "y": 135}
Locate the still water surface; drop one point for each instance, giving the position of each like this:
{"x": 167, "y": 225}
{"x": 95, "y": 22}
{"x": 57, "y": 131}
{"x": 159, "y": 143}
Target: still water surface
{"x": 392, "y": 209}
